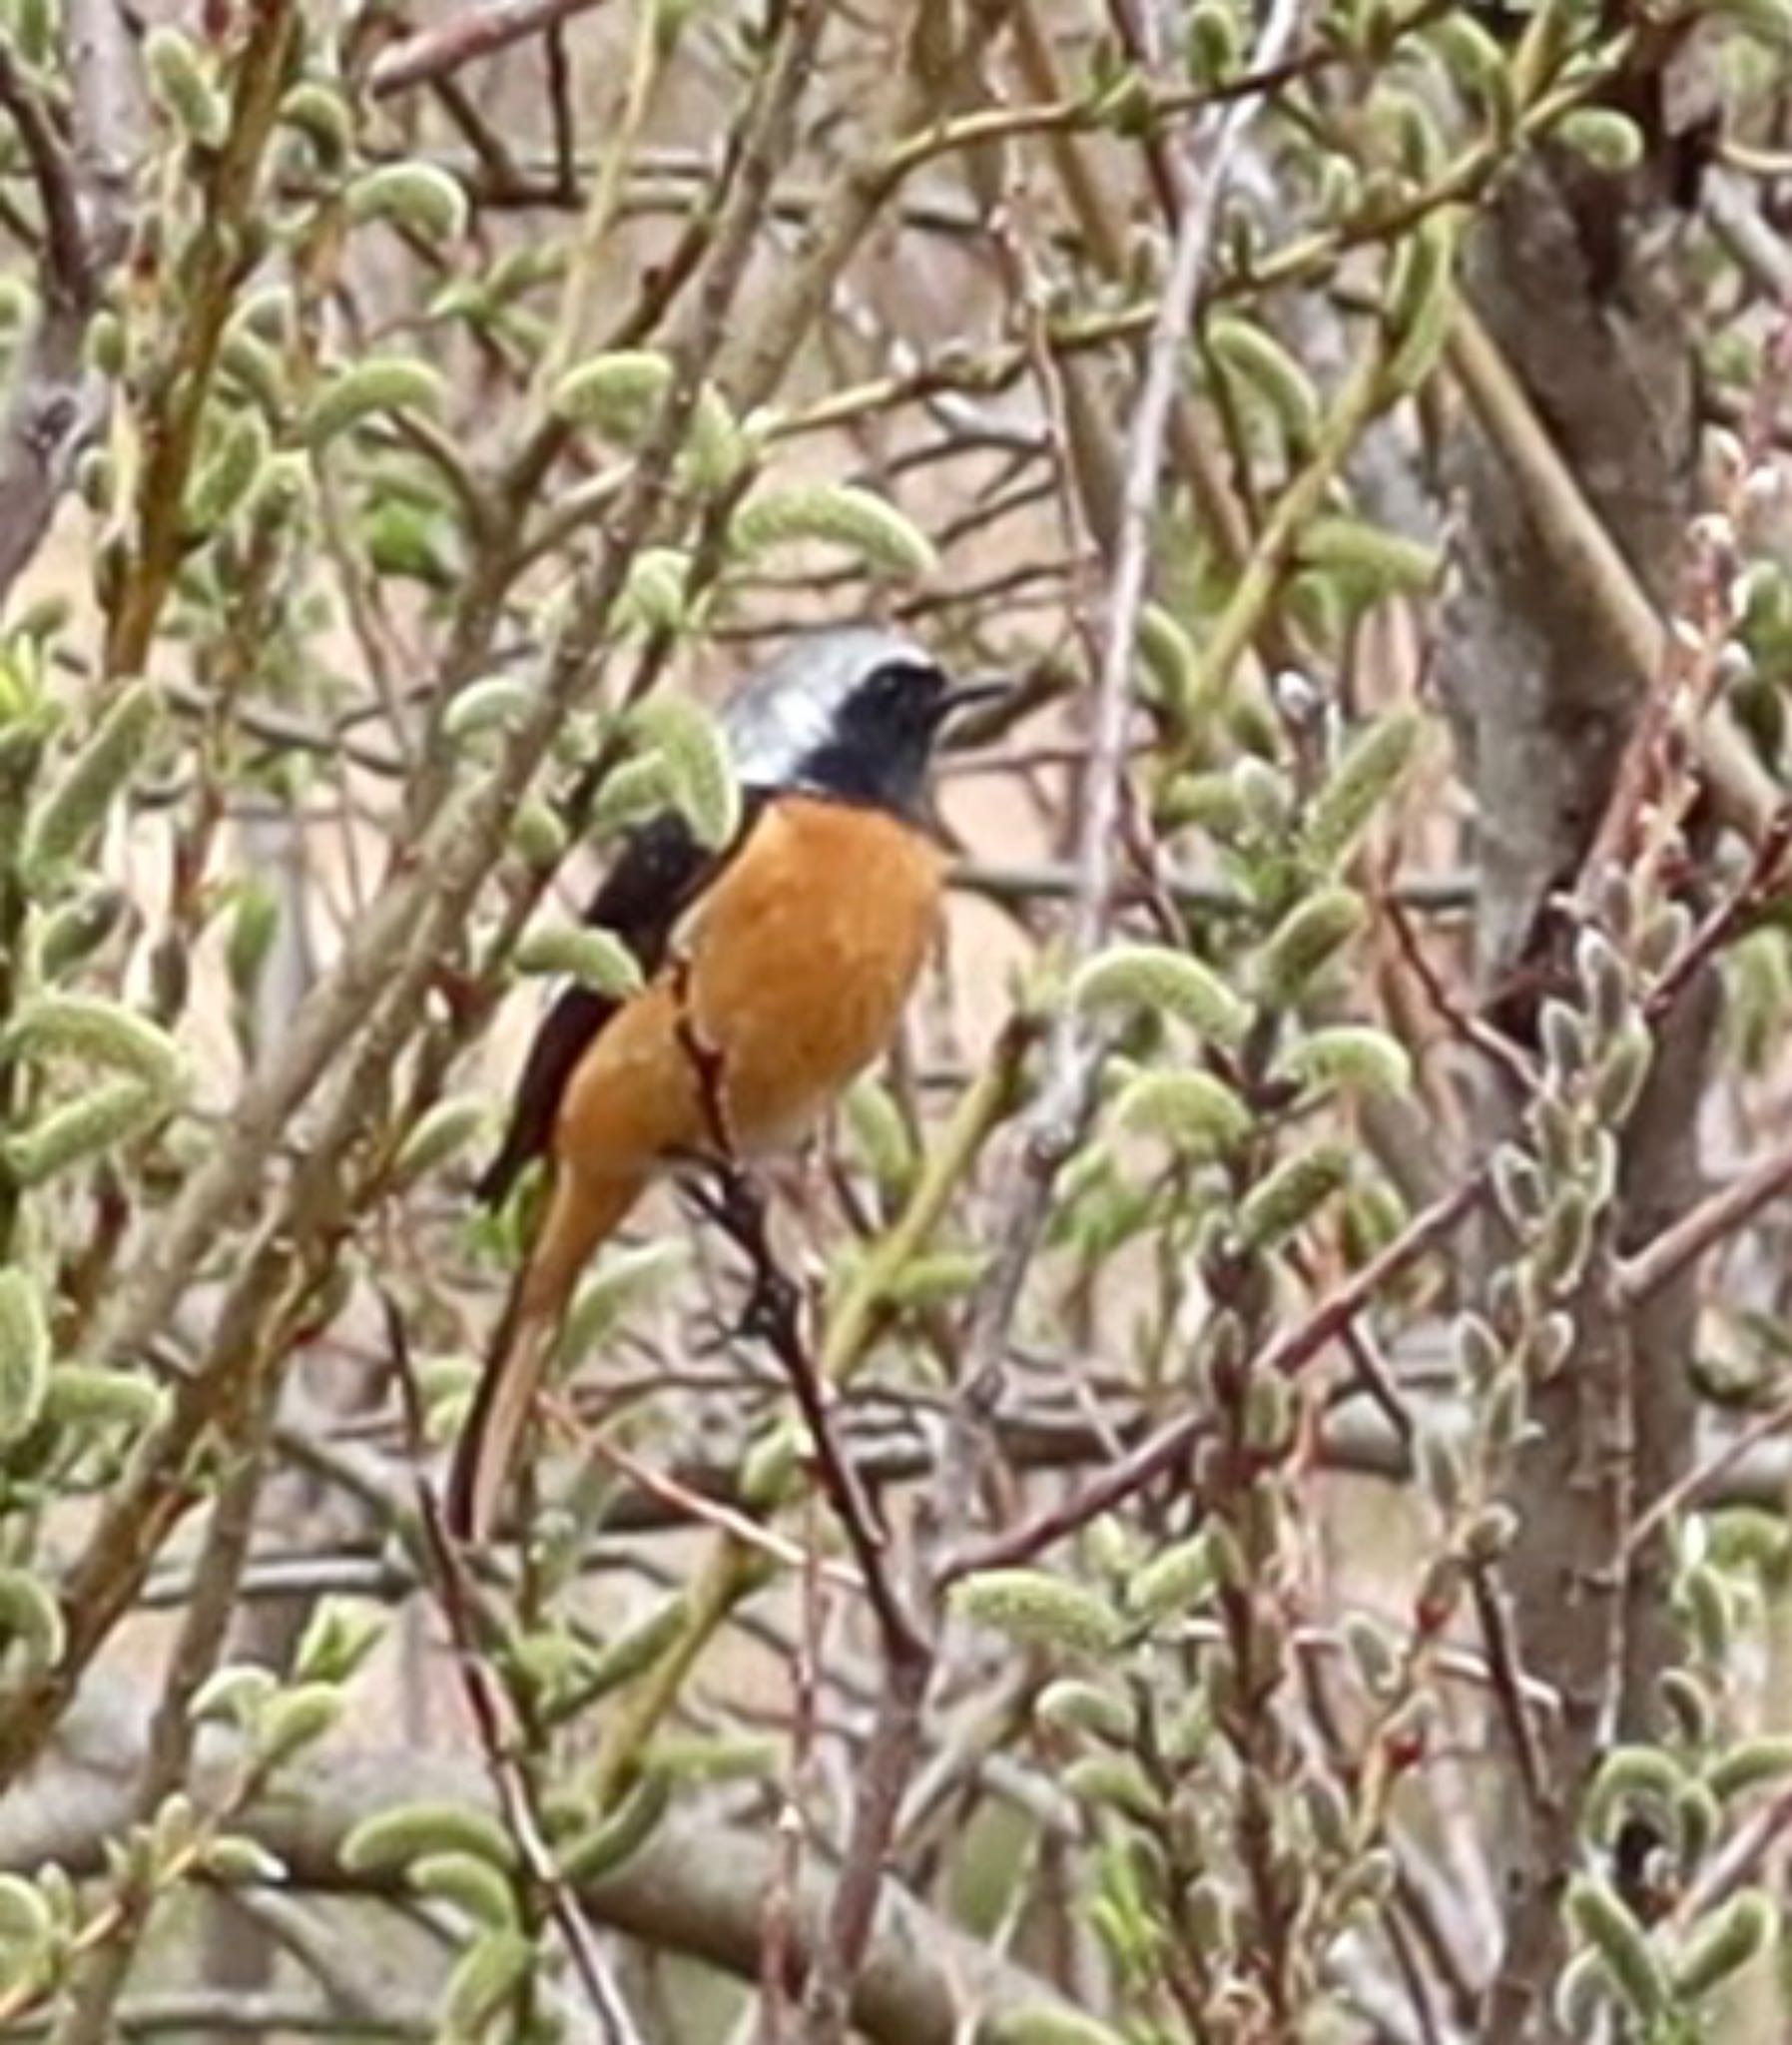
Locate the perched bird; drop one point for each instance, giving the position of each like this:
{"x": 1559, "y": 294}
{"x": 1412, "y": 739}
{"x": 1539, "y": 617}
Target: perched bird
{"x": 775, "y": 971}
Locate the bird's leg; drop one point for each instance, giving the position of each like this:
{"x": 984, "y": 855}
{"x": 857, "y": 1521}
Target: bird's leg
{"x": 732, "y": 1197}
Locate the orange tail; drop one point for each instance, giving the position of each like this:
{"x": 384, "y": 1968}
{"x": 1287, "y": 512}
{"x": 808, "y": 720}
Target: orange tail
{"x": 581, "y": 1212}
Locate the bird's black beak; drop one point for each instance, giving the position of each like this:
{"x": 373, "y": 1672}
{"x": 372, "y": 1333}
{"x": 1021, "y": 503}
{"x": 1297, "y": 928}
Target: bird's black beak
{"x": 962, "y": 700}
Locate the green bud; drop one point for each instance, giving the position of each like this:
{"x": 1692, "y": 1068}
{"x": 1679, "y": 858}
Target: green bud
{"x": 1307, "y": 939}
{"x": 1195, "y": 1114}
{"x": 100, "y": 1031}
{"x": 1749, "y": 1764}
{"x": 621, "y": 1835}
{"x": 1257, "y": 358}
{"x": 85, "y": 1397}
{"x": 1421, "y": 300}
{"x": 74, "y": 930}
{"x": 1361, "y": 1061}
{"x": 1041, "y": 1611}
{"x": 24, "y": 1354}
{"x": 419, "y": 196}
{"x": 1601, "y": 1917}
{"x": 30, "y": 1620}
{"x": 596, "y": 958}
{"x": 96, "y": 1122}
{"x": 1087, "y": 1707}
{"x": 494, "y": 703}
{"x": 880, "y": 536}
{"x": 1173, "y": 1581}
{"x": 1386, "y": 563}
{"x": 1621, "y": 1074}
{"x": 622, "y": 1282}
{"x": 392, "y": 1839}
{"x": 181, "y": 90}
{"x": 486, "y": 1975}
{"x": 446, "y": 1131}
{"x": 294, "y": 1720}
{"x": 1725, "y": 1943}
{"x": 616, "y": 394}
{"x": 472, "y": 1886}
{"x": 656, "y": 597}
{"x": 634, "y": 1649}
{"x": 324, "y": 117}
{"x": 234, "y": 1860}
{"x": 633, "y": 791}
{"x": 1287, "y": 1199}
{"x": 367, "y": 389}
{"x": 77, "y": 804}
{"x": 536, "y": 835}
{"x": 1607, "y": 138}
{"x": 226, "y": 479}
{"x": 689, "y": 740}
{"x": 1160, "y": 981}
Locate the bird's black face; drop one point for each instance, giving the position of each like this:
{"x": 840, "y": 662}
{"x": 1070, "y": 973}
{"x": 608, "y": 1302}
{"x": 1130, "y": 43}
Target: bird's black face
{"x": 882, "y": 734}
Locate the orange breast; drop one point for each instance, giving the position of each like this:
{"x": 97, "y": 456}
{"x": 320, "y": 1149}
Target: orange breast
{"x": 792, "y": 970}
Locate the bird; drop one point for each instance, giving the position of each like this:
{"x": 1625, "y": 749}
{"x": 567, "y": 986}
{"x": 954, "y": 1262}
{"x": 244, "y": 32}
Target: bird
{"x": 775, "y": 970}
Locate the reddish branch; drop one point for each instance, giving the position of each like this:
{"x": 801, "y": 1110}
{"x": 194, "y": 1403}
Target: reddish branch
{"x": 1661, "y": 1262}
{"x": 433, "y": 53}
{"x": 1288, "y": 1354}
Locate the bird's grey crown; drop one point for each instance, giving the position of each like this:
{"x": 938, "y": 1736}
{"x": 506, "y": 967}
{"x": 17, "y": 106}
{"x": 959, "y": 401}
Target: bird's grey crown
{"x": 781, "y": 716}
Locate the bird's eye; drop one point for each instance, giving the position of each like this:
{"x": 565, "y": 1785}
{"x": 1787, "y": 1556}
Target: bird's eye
{"x": 905, "y": 681}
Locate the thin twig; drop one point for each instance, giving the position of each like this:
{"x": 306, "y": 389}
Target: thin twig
{"x": 516, "y": 1796}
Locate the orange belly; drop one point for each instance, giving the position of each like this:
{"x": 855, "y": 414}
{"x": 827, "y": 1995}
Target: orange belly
{"x": 792, "y": 974}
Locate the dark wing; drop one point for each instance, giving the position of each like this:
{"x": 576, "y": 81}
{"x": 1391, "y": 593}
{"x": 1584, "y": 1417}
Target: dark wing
{"x": 659, "y": 871}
